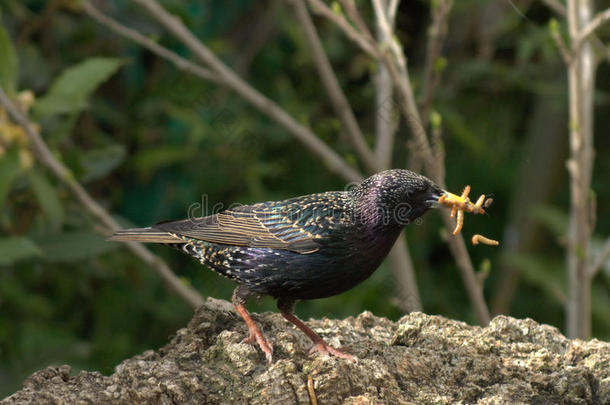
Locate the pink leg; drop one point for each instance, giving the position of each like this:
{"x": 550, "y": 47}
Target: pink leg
{"x": 319, "y": 345}
{"x": 240, "y": 295}
{"x": 255, "y": 333}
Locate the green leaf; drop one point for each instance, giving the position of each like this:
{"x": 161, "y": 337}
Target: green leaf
{"x": 70, "y": 90}
{"x": 47, "y": 198}
{"x": 10, "y": 170}
{"x": 99, "y": 162}
{"x": 16, "y": 248}
{"x": 8, "y": 63}
{"x": 74, "y": 246}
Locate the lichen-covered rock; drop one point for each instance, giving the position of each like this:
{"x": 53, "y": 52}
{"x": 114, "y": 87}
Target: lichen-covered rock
{"x": 419, "y": 359}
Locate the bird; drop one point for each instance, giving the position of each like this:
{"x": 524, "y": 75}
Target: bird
{"x": 302, "y": 248}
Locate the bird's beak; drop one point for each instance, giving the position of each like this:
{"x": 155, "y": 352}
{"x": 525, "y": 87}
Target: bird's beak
{"x": 432, "y": 200}
{"x": 449, "y": 197}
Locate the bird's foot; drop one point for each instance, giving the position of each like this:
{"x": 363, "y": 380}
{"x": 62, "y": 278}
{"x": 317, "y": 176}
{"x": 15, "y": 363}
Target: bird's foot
{"x": 325, "y": 348}
{"x": 263, "y": 343}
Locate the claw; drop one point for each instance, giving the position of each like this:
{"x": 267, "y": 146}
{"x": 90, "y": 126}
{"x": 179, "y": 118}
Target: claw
{"x": 256, "y": 336}
{"x": 325, "y": 348}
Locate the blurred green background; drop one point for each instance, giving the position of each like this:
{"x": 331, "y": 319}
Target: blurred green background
{"x": 147, "y": 141}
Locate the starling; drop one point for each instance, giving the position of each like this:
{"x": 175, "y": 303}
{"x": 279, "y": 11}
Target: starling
{"x": 306, "y": 247}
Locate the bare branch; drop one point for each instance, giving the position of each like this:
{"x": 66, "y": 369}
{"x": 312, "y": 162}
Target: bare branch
{"x": 420, "y": 146}
{"x": 382, "y": 18}
{"x": 318, "y": 7}
{"x": 599, "y": 260}
{"x": 354, "y": 15}
{"x": 386, "y": 122}
{"x": 469, "y": 277}
{"x": 97, "y": 211}
{"x": 436, "y": 35}
{"x": 581, "y": 84}
{"x": 397, "y": 66}
{"x": 332, "y": 160}
{"x": 601, "y": 48}
{"x": 152, "y": 46}
{"x": 408, "y": 299}
{"x": 600, "y": 19}
{"x": 560, "y": 9}
{"x": 392, "y": 10}
{"x": 335, "y": 93}
{"x": 561, "y": 45}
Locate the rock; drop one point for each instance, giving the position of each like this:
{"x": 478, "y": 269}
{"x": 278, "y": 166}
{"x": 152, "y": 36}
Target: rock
{"x": 419, "y": 359}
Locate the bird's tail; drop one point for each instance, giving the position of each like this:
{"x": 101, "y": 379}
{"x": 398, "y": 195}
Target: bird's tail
{"x": 144, "y": 235}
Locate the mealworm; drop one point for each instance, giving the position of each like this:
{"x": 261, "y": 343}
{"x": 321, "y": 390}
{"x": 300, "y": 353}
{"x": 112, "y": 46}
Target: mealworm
{"x": 488, "y": 202}
{"x": 476, "y": 239}
{"x": 479, "y": 202}
{"x": 459, "y": 222}
{"x": 466, "y": 191}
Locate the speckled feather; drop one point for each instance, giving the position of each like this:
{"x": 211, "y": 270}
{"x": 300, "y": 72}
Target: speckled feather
{"x": 305, "y": 247}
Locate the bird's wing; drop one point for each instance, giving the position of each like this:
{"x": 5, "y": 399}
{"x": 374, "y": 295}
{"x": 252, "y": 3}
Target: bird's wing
{"x": 297, "y": 224}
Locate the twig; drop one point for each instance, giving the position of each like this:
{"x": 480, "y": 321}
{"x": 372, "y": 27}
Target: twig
{"x": 436, "y": 35}
{"x": 392, "y": 9}
{"x": 561, "y": 45}
{"x": 601, "y": 48}
{"x": 600, "y": 18}
{"x": 560, "y": 9}
{"x": 385, "y": 120}
{"x": 152, "y": 46}
{"x": 386, "y": 123}
{"x": 63, "y": 173}
{"x": 403, "y": 273}
{"x": 398, "y": 70}
{"x": 467, "y": 272}
{"x": 420, "y": 146}
{"x": 333, "y": 90}
{"x": 354, "y": 15}
{"x": 322, "y": 9}
{"x": 332, "y": 160}
{"x": 581, "y": 77}
{"x": 599, "y": 260}
{"x": 396, "y": 64}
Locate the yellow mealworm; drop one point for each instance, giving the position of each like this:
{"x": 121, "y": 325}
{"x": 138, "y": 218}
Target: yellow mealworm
{"x": 453, "y": 211}
{"x": 476, "y": 239}
{"x": 459, "y": 222}
{"x": 479, "y": 202}
{"x": 466, "y": 191}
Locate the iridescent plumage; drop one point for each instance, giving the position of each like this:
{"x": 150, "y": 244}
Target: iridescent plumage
{"x": 305, "y": 247}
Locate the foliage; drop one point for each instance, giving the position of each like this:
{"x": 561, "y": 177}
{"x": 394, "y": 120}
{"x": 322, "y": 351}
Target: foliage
{"x": 149, "y": 141}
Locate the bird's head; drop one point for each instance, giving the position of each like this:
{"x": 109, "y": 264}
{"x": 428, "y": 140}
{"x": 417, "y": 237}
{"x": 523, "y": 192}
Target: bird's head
{"x": 395, "y": 197}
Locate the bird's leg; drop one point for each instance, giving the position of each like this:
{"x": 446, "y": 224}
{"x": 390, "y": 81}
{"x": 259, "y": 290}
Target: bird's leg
{"x": 240, "y": 295}
{"x": 286, "y": 308}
